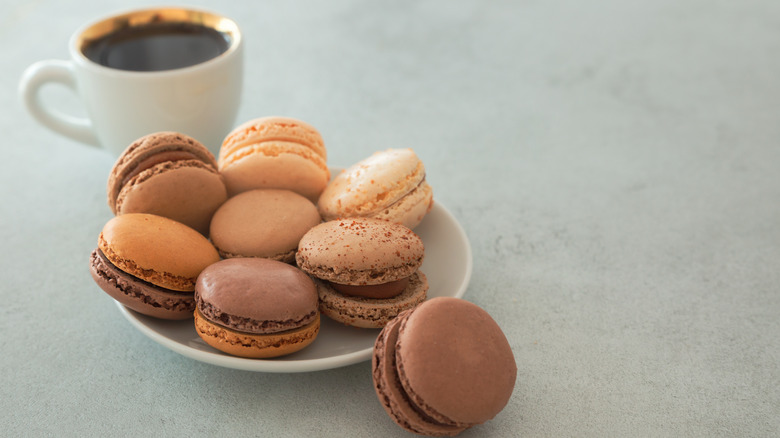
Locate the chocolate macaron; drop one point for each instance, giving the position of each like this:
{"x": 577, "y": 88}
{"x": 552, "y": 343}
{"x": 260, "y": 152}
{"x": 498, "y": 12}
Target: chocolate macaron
{"x": 150, "y": 264}
{"x": 443, "y": 367}
{"x": 264, "y": 223}
{"x": 367, "y": 270}
{"x": 256, "y": 308}
{"x": 167, "y": 174}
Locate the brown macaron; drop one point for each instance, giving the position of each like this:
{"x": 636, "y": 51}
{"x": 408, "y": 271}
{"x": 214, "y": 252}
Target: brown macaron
{"x": 367, "y": 269}
{"x": 443, "y": 367}
{"x": 150, "y": 264}
{"x": 256, "y": 308}
{"x": 168, "y": 174}
{"x": 264, "y": 223}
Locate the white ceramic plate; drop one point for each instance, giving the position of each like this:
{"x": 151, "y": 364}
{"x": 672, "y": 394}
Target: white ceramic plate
{"x": 447, "y": 265}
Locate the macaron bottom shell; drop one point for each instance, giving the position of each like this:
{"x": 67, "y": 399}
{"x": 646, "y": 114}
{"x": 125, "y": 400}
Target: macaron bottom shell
{"x": 255, "y": 346}
{"x": 370, "y": 312}
{"x": 139, "y": 295}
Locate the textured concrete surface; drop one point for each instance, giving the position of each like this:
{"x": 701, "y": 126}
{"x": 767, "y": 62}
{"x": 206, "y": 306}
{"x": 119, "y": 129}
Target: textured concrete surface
{"x": 614, "y": 164}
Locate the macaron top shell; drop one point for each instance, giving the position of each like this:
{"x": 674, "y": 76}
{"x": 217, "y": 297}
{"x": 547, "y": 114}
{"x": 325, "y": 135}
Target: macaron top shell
{"x": 159, "y": 250}
{"x": 455, "y": 362}
{"x": 271, "y": 129}
{"x": 263, "y": 223}
{"x": 360, "y": 251}
{"x": 256, "y": 295}
{"x": 151, "y": 150}
{"x": 371, "y": 185}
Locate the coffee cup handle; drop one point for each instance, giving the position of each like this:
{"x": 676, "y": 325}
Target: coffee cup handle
{"x": 60, "y": 72}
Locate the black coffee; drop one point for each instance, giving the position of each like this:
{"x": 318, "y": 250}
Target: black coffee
{"x": 157, "y": 46}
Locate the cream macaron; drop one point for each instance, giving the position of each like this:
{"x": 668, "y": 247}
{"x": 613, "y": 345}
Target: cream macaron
{"x": 387, "y": 185}
{"x": 275, "y": 153}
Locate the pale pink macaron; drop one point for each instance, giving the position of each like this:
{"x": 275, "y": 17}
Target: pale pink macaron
{"x": 387, "y": 185}
{"x": 274, "y": 153}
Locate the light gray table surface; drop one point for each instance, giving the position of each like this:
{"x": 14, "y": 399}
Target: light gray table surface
{"x": 614, "y": 164}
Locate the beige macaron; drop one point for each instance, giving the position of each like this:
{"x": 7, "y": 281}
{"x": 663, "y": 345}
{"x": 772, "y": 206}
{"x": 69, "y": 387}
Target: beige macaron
{"x": 265, "y": 223}
{"x": 387, "y": 185}
{"x": 275, "y": 153}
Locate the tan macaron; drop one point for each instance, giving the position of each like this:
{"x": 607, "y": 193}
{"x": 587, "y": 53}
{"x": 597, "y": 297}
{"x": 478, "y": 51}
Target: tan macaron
{"x": 367, "y": 269}
{"x": 167, "y": 174}
{"x": 264, "y": 223}
{"x": 276, "y": 153}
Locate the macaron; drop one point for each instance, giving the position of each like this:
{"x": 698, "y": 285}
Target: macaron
{"x": 387, "y": 185}
{"x": 263, "y": 223}
{"x": 443, "y": 367}
{"x": 150, "y": 264}
{"x": 366, "y": 270}
{"x": 168, "y": 174}
{"x": 256, "y": 308}
{"x": 275, "y": 153}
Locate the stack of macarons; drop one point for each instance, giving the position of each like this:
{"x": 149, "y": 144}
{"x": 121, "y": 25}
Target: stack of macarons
{"x": 255, "y": 245}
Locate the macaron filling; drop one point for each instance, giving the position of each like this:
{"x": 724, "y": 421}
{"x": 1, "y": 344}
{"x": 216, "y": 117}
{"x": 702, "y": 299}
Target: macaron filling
{"x": 130, "y": 286}
{"x": 377, "y": 291}
{"x": 249, "y": 325}
{"x": 159, "y": 158}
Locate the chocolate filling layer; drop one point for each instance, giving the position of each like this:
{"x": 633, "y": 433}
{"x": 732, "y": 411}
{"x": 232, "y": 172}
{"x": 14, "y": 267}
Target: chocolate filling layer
{"x": 248, "y": 325}
{"x": 384, "y": 290}
{"x": 162, "y": 157}
{"x": 134, "y": 287}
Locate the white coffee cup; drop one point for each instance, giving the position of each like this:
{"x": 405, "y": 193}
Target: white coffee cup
{"x": 122, "y": 105}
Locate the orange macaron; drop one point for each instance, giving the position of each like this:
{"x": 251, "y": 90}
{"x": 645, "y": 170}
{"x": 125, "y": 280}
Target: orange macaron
{"x": 150, "y": 264}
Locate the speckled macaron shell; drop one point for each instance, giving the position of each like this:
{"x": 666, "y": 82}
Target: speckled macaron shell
{"x": 246, "y": 306}
{"x": 156, "y": 249}
{"x": 265, "y": 223}
{"x": 364, "y": 312}
{"x": 453, "y": 363}
{"x": 168, "y": 174}
{"x": 275, "y": 152}
{"x": 360, "y": 251}
{"x": 388, "y": 185}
